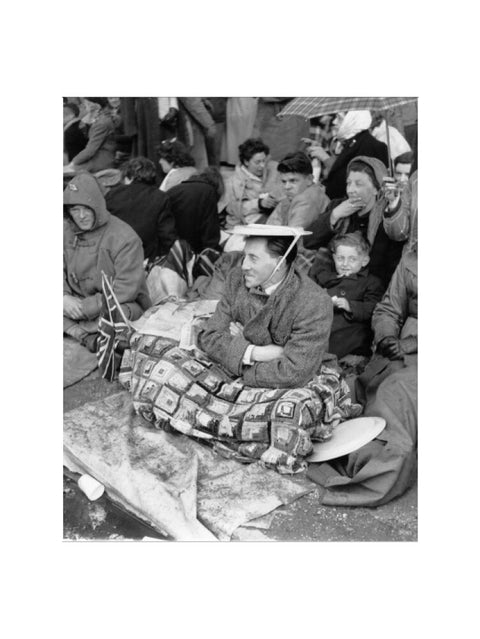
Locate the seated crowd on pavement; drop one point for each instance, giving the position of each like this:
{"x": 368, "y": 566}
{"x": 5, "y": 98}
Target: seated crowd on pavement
{"x": 310, "y": 250}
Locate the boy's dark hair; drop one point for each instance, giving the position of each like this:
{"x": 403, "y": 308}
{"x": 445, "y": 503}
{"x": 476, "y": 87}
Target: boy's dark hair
{"x": 73, "y": 108}
{"x": 356, "y": 240}
{"x": 175, "y": 153}
{"x": 403, "y": 158}
{"x": 141, "y": 170}
{"x": 361, "y": 167}
{"x": 250, "y": 147}
{"x": 297, "y": 162}
{"x": 279, "y": 246}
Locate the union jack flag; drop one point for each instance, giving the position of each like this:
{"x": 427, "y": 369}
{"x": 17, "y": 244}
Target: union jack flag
{"x": 113, "y": 328}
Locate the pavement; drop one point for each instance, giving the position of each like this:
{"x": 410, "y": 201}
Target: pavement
{"x": 303, "y": 520}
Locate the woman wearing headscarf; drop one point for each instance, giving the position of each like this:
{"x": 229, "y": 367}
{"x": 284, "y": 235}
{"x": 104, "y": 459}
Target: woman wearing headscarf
{"x": 362, "y": 210}
{"x": 353, "y": 139}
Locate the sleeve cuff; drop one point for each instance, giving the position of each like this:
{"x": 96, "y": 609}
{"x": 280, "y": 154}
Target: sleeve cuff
{"x": 247, "y": 356}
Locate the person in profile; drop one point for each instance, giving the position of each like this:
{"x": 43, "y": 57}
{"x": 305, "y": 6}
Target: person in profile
{"x": 272, "y": 323}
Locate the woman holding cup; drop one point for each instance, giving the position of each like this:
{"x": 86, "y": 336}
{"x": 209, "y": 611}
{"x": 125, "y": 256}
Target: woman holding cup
{"x": 254, "y": 189}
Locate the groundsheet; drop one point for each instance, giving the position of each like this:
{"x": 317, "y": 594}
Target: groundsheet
{"x": 181, "y": 488}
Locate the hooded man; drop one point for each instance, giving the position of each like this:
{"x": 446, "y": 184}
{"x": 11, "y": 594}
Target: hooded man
{"x": 95, "y": 241}
{"x": 362, "y": 210}
{"x": 272, "y": 324}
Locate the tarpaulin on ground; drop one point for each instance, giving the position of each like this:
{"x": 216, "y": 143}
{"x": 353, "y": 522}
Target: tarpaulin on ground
{"x": 78, "y": 362}
{"x": 179, "y": 487}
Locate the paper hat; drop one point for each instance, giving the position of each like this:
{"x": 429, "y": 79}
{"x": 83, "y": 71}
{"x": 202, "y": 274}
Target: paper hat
{"x": 269, "y": 230}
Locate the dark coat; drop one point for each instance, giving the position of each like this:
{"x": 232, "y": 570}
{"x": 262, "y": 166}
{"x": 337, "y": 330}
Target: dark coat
{"x": 297, "y": 316}
{"x": 361, "y": 144}
{"x": 147, "y": 211}
{"x": 351, "y": 332}
{"x": 74, "y": 140}
{"x": 194, "y": 207}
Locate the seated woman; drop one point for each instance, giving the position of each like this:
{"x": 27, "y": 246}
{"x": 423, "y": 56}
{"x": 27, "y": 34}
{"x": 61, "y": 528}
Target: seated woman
{"x": 176, "y": 162}
{"x": 99, "y": 153}
{"x": 95, "y": 241}
{"x": 139, "y": 203}
{"x": 362, "y": 210}
{"x": 253, "y": 190}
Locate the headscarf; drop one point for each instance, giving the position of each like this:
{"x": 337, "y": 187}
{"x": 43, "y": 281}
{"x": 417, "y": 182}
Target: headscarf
{"x": 353, "y": 123}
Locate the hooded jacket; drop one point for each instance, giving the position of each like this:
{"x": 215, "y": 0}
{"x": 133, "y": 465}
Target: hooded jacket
{"x": 386, "y": 252}
{"x": 110, "y": 246}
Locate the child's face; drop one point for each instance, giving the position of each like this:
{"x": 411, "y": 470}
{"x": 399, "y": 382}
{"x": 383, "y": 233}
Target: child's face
{"x": 348, "y": 260}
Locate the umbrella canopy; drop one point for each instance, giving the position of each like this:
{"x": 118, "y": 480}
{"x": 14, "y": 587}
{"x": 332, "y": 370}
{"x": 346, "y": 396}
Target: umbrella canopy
{"x": 315, "y": 107}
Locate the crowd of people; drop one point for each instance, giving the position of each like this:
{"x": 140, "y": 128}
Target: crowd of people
{"x": 311, "y": 244}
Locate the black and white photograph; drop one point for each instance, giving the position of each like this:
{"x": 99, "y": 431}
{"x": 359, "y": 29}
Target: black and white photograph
{"x": 296, "y": 219}
{"x": 250, "y": 443}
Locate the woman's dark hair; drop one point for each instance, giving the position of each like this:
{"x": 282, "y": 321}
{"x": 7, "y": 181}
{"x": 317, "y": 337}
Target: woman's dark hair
{"x": 298, "y": 162}
{"x": 140, "y": 170}
{"x": 279, "y": 246}
{"x": 403, "y": 158}
{"x": 361, "y": 167}
{"x": 72, "y": 107}
{"x": 103, "y": 102}
{"x": 250, "y": 147}
{"x": 175, "y": 153}
{"x": 211, "y": 175}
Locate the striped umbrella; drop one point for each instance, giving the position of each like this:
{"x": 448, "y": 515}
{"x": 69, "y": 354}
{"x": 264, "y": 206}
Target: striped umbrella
{"x": 315, "y": 107}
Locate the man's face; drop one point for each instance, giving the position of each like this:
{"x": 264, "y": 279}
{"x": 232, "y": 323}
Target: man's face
{"x": 258, "y": 264}
{"x": 295, "y": 183}
{"x": 348, "y": 260}
{"x": 83, "y": 216}
{"x": 402, "y": 172}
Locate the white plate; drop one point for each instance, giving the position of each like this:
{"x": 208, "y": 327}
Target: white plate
{"x": 347, "y": 437}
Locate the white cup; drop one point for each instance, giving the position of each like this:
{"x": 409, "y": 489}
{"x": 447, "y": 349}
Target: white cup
{"x": 92, "y": 488}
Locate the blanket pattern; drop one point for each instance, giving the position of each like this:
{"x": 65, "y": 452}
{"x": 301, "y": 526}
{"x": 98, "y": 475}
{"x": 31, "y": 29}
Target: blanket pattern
{"x": 180, "y": 390}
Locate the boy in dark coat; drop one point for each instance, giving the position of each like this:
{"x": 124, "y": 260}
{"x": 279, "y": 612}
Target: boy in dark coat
{"x": 354, "y": 294}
